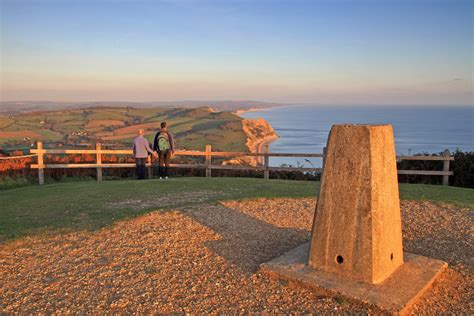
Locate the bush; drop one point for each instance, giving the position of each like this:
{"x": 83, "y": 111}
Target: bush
{"x": 462, "y": 166}
{"x": 11, "y": 183}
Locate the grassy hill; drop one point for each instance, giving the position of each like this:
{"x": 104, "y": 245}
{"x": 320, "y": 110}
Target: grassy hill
{"x": 193, "y": 128}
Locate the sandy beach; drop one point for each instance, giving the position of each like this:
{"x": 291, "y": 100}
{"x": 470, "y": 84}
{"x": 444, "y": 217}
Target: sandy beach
{"x": 261, "y": 147}
{"x": 239, "y": 112}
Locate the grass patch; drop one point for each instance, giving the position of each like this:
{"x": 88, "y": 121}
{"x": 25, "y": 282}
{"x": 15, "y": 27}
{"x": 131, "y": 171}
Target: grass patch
{"x": 90, "y": 205}
{"x": 461, "y": 197}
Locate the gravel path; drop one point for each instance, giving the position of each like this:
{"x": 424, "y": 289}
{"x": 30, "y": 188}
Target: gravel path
{"x": 205, "y": 259}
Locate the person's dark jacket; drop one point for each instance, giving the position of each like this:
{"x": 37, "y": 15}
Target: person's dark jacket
{"x": 170, "y": 139}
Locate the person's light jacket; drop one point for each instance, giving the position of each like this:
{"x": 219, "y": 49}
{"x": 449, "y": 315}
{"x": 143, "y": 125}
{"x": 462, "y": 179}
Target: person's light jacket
{"x": 141, "y": 147}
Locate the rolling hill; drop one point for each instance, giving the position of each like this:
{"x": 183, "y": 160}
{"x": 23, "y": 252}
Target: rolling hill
{"x": 8, "y": 108}
{"x": 117, "y": 126}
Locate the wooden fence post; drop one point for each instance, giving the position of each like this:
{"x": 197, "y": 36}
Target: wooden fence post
{"x": 98, "y": 160}
{"x": 208, "y": 161}
{"x": 40, "y": 163}
{"x": 149, "y": 161}
{"x": 266, "y": 163}
{"x": 446, "y": 154}
{"x": 324, "y": 157}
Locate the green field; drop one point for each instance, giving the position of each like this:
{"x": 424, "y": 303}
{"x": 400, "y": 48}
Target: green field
{"x": 193, "y": 128}
{"x": 91, "y": 205}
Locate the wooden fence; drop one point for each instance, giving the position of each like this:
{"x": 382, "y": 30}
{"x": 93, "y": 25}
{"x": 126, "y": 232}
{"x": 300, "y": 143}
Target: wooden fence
{"x": 208, "y": 154}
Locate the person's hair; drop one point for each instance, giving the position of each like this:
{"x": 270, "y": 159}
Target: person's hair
{"x": 163, "y": 124}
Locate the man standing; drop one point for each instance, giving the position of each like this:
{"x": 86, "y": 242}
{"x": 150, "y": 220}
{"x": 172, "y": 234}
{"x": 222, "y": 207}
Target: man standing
{"x": 163, "y": 145}
{"x": 141, "y": 149}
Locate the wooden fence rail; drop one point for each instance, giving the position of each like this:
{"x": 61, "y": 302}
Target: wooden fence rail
{"x": 208, "y": 154}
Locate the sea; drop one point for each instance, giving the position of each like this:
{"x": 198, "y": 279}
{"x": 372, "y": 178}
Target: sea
{"x": 417, "y": 129}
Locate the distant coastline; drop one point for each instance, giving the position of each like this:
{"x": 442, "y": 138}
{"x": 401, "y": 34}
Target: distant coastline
{"x": 242, "y": 111}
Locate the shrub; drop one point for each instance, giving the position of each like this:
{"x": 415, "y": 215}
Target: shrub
{"x": 462, "y": 166}
{"x": 11, "y": 183}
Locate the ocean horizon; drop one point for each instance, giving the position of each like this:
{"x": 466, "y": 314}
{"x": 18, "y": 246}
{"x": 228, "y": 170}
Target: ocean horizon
{"x": 417, "y": 129}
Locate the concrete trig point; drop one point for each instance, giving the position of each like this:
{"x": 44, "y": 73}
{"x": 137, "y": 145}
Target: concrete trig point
{"x": 356, "y": 243}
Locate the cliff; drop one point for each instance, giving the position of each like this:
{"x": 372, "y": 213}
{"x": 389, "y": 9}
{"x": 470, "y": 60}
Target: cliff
{"x": 259, "y": 133}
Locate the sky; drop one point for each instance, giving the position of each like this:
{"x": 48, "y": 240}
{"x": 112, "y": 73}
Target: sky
{"x": 377, "y": 52}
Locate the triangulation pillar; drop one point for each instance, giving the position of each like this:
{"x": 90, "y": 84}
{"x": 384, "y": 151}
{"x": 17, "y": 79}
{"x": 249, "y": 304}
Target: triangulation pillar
{"x": 356, "y": 242}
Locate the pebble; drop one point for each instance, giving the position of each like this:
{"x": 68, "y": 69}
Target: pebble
{"x": 205, "y": 258}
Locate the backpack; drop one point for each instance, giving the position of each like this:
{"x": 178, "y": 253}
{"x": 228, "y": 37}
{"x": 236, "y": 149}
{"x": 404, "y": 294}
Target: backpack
{"x": 163, "y": 142}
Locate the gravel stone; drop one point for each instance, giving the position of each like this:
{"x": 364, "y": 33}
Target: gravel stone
{"x": 205, "y": 259}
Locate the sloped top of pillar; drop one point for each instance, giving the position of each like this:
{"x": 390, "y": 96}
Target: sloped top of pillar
{"x": 361, "y": 125}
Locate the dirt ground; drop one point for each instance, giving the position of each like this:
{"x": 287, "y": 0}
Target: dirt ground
{"x": 205, "y": 259}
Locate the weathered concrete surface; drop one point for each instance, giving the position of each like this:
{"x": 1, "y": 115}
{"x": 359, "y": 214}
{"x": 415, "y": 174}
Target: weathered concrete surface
{"x": 357, "y": 226}
{"x": 396, "y": 294}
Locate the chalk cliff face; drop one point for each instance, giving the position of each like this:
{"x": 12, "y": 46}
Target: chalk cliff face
{"x": 259, "y": 132}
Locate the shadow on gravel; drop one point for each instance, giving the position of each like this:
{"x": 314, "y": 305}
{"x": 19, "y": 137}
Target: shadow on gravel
{"x": 245, "y": 241}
